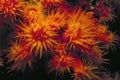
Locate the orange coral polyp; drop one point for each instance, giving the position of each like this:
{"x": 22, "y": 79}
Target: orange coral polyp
{"x": 83, "y": 70}
{"x": 79, "y": 69}
{"x": 19, "y": 53}
{"x": 39, "y": 36}
{"x": 81, "y": 30}
{"x": 49, "y": 3}
{"x": 102, "y": 29}
{"x": 103, "y": 34}
{"x": 10, "y": 8}
{"x": 61, "y": 48}
{"x": 61, "y": 63}
{"x": 31, "y": 12}
{"x": 107, "y": 14}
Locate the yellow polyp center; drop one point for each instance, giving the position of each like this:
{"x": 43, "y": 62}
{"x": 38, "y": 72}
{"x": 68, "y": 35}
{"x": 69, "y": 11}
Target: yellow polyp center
{"x": 32, "y": 11}
{"x": 77, "y": 35}
{"x": 63, "y": 61}
{"x": 73, "y": 34}
{"x": 80, "y": 71}
{"x": 102, "y": 29}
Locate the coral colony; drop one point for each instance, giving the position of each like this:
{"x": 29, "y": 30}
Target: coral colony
{"x": 73, "y": 33}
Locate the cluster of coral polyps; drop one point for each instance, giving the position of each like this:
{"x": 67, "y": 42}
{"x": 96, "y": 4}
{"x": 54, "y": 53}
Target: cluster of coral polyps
{"x": 73, "y": 34}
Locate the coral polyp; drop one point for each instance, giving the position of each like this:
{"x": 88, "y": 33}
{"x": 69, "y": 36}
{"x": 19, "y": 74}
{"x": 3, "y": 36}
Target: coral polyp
{"x": 61, "y": 49}
{"x": 61, "y": 63}
{"x": 84, "y": 70}
{"x": 19, "y": 54}
{"x": 104, "y": 10}
{"x": 111, "y": 40}
{"x": 81, "y": 31}
{"x": 39, "y": 37}
{"x": 32, "y": 11}
{"x": 107, "y": 37}
{"x": 11, "y": 8}
{"x": 49, "y": 3}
